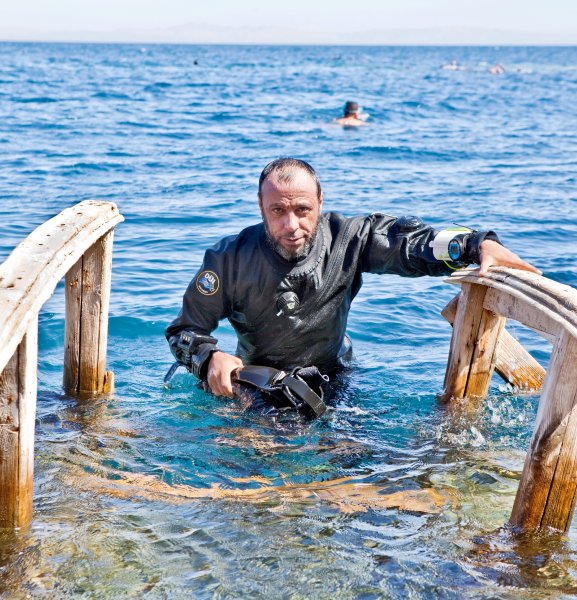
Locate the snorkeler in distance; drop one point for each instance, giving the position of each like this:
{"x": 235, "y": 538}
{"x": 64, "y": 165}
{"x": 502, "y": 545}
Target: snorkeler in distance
{"x": 453, "y": 66}
{"x": 287, "y": 283}
{"x": 351, "y": 115}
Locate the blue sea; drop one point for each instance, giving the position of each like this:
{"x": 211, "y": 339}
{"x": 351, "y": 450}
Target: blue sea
{"x": 173, "y": 493}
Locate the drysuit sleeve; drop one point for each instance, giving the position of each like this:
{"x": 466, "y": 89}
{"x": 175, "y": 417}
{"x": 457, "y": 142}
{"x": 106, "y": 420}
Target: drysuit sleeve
{"x": 407, "y": 246}
{"x": 203, "y": 305}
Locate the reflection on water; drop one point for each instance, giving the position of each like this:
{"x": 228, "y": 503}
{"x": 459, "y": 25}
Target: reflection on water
{"x": 541, "y": 561}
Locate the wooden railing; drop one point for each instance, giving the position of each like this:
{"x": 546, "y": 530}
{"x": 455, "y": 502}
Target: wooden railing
{"x": 77, "y": 244}
{"x": 548, "y": 486}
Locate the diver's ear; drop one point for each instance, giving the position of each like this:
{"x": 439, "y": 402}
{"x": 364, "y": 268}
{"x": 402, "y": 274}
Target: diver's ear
{"x": 260, "y": 202}
{"x": 320, "y": 202}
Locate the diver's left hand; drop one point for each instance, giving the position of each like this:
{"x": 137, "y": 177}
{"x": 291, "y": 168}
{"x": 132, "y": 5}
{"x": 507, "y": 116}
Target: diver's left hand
{"x": 493, "y": 254}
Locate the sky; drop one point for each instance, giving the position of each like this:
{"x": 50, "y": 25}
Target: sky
{"x": 326, "y": 21}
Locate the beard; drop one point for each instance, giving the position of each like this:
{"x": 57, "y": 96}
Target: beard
{"x": 291, "y": 255}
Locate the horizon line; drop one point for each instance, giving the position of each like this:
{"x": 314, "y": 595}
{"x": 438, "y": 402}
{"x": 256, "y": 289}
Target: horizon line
{"x": 303, "y": 44}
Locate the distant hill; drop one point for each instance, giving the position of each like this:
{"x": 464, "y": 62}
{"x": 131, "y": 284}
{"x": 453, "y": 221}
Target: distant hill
{"x": 211, "y": 34}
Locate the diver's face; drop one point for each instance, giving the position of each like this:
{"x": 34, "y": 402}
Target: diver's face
{"x": 291, "y": 213}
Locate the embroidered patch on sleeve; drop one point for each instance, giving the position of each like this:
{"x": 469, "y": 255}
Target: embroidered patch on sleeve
{"x": 207, "y": 283}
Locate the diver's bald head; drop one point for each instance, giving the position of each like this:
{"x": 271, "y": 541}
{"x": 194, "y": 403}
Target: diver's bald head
{"x": 286, "y": 170}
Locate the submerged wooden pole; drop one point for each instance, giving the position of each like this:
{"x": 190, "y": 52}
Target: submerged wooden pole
{"x": 473, "y": 348}
{"x": 18, "y": 382}
{"x": 512, "y": 362}
{"x": 86, "y": 330}
{"x": 548, "y": 486}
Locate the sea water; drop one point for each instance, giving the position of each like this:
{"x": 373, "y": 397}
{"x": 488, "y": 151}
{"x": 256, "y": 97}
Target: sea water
{"x": 174, "y": 493}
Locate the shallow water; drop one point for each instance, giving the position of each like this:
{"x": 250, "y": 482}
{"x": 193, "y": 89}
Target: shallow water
{"x": 174, "y": 493}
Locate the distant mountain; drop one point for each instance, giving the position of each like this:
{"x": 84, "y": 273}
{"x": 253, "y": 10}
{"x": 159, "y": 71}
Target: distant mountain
{"x": 215, "y": 34}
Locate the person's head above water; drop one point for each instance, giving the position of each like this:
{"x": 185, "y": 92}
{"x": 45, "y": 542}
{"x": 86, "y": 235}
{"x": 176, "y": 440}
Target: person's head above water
{"x": 290, "y": 201}
{"x": 352, "y": 115}
{"x": 351, "y": 109}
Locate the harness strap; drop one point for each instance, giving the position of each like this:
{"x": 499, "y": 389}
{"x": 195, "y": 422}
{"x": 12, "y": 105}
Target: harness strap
{"x": 305, "y": 393}
{"x": 263, "y": 378}
{"x": 270, "y": 380}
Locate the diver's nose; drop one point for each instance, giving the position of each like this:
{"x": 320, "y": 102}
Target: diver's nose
{"x": 291, "y": 222}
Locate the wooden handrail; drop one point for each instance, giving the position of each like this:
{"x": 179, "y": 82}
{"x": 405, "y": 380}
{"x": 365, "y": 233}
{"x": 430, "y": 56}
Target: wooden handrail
{"x": 512, "y": 362}
{"x": 29, "y": 276}
{"x": 77, "y": 244}
{"x": 548, "y": 486}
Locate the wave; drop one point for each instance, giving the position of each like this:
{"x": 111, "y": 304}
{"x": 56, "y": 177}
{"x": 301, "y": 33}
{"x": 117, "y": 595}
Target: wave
{"x": 87, "y": 166}
{"x": 161, "y": 85}
{"x": 133, "y": 327}
{"x": 406, "y": 152}
{"x": 35, "y": 100}
{"x": 139, "y": 124}
{"x": 111, "y": 96}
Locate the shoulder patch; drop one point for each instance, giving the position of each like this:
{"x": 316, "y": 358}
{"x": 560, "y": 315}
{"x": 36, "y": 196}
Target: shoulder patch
{"x": 207, "y": 283}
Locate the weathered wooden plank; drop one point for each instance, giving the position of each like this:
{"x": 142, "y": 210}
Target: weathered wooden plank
{"x": 468, "y": 319}
{"x": 557, "y": 303}
{"x": 9, "y": 424}
{"x": 27, "y": 378}
{"x": 105, "y": 378}
{"x": 526, "y": 311}
{"x": 560, "y": 506}
{"x": 108, "y": 383}
{"x": 9, "y": 394}
{"x": 18, "y": 402}
{"x": 450, "y": 310}
{"x": 485, "y": 352}
{"x": 30, "y": 274}
{"x": 87, "y": 302}
{"x": 96, "y": 276}
{"x": 73, "y": 301}
{"x": 484, "y": 355}
{"x": 512, "y": 362}
{"x": 546, "y": 492}
{"x": 516, "y": 366}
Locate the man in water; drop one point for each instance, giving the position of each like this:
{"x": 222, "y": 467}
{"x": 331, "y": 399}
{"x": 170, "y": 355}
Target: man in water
{"x": 351, "y": 115}
{"x": 286, "y": 284}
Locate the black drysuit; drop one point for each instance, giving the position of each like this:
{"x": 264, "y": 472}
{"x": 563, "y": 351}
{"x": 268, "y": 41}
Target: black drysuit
{"x": 242, "y": 278}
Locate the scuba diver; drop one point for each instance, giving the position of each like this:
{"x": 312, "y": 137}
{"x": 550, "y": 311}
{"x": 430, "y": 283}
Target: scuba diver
{"x": 286, "y": 286}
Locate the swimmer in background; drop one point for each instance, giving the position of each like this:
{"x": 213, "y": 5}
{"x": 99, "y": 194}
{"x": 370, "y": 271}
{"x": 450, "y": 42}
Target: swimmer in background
{"x": 498, "y": 69}
{"x": 351, "y": 115}
{"x": 453, "y": 66}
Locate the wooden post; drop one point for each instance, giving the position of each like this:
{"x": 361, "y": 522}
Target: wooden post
{"x": 476, "y": 333}
{"x": 18, "y": 383}
{"x": 546, "y": 493}
{"x": 28, "y": 278}
{"x": 548, "y": 489}
{"x": 512, "y": 362}
{"x": 86, "y": 331}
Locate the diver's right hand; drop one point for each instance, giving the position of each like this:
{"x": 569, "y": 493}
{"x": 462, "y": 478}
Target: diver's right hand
{"x": 220, "y": 369}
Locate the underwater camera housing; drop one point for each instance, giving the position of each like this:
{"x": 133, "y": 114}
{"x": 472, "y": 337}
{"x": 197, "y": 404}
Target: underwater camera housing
{"x": 457, "y": 247}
